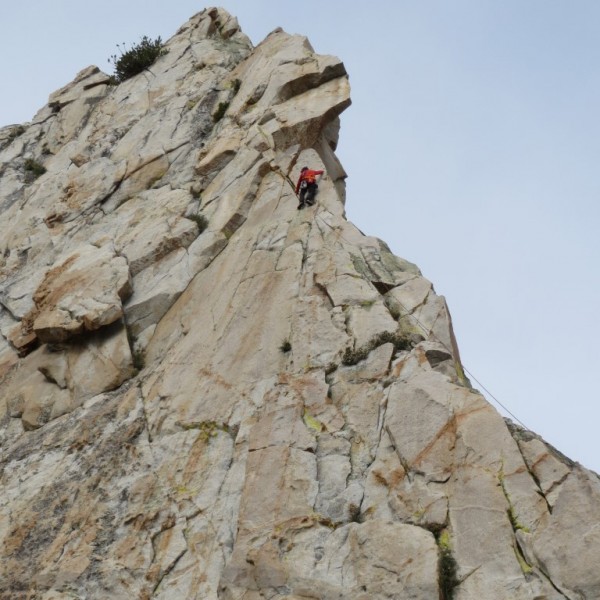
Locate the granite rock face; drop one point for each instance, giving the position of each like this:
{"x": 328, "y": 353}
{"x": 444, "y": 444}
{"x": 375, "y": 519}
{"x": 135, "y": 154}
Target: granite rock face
{"x": 206, "y": 393}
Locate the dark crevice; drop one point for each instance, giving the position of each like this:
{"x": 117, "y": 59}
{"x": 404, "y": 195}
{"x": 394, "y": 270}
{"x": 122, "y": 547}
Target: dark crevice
{"x": 115, "y": 187}
{"x": 382, "y": 287}
{"x": 323, "y": 289}
{"x": 89, "y": 86}
{"x": 169, "y": 569}
{"x": 448, "y": 579}
{"x": 304, "y": 243}
{"x": 50, "y": 379}
{"x": 554, "y": 486}
{"x": 145, "y": 415}
{"x": 310, "y": 81}
{"x": 526, "y": 568}
{"x": 57, "y": 106}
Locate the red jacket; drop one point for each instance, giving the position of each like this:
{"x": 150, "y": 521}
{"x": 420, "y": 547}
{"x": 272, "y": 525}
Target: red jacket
{"x": 308, "y": 176}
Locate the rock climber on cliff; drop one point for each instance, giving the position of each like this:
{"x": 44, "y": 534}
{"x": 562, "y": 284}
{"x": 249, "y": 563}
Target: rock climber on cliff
{"x": 307, "y": 186}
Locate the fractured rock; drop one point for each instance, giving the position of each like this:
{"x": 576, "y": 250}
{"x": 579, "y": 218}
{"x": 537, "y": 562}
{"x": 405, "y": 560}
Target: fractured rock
{"x": 179, "y": 417}
{"x": 84, "y": 292}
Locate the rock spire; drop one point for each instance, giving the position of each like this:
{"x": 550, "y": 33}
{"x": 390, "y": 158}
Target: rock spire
{"x": 206, "y": 393}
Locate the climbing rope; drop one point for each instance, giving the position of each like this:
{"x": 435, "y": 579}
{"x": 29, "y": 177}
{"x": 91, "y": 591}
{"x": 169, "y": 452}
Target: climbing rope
{"x": 428, "y": 333}
{"x": 431, "y": 334}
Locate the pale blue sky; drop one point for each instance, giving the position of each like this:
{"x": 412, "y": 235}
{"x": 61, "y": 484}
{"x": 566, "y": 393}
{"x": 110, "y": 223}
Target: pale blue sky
{"x": 471, "y": 146}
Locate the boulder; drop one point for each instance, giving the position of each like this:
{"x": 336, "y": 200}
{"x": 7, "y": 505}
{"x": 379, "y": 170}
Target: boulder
{"x": 83, "y": 292}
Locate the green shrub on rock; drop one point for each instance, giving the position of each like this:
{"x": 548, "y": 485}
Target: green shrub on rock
{"x": 33, "y": 170}
{"x": 16, "y": 132}
{"x": 220, "y": 112}
{"x": 137, "y": 58}
{"x": 354, "y": 356}
{"x": 447, "y": 567}
{"x": 200, "y": 220}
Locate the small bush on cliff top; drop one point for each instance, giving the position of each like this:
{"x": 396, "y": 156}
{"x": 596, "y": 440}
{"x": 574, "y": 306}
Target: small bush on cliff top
{"x": 137, "y": 58}
{"x": 16, "y": 132}
{"x": 352, "y": 357}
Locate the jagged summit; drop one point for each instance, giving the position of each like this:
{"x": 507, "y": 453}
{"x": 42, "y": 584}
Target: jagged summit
{"x": 206, "y": 393}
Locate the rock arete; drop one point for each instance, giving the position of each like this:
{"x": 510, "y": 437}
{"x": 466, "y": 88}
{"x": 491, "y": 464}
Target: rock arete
{"x": 271, "y": 406}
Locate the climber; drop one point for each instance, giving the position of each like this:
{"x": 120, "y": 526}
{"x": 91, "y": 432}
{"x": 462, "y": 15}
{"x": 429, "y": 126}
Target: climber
{"x": 307, "y": 186}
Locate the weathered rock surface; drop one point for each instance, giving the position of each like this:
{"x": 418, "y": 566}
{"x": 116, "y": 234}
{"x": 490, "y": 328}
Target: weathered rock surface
{"x": 271, "y": 406}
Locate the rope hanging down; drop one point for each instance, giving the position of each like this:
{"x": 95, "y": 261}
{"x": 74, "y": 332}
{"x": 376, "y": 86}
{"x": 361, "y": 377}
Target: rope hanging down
{"x": 432, "y": 334}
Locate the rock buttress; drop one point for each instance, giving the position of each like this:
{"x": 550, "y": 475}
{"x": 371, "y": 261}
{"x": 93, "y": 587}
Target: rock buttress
{"x": 206, "y": 393}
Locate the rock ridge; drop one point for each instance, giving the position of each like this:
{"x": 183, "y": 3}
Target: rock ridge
{"x": 206, "y": 393}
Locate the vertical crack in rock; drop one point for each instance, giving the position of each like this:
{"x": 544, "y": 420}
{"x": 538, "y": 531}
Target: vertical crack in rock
{"x": 168, "y": 570}
{"x": 523, "y": 437}
{"x": 164, "y": 572}
{"x": 381, "y": 415}
{"x": 144, "y": 413}
{"x": 405, "y": 465}
{"x": 556, "y": 588}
